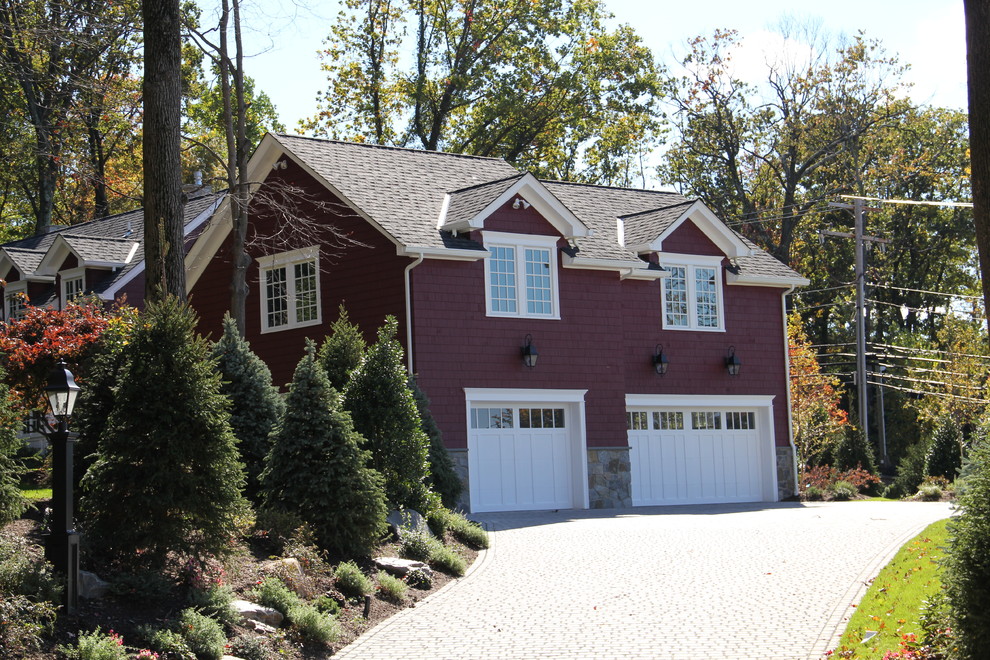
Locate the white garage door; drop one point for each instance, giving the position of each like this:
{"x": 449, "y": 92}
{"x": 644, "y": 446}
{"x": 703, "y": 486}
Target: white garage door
{"x": 696, "y": 456}
{"x": 520, "y": 457}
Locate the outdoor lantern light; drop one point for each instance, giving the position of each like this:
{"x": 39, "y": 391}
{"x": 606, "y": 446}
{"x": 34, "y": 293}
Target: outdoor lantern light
{"x": 62, "y": 544}
{"x": 62, "y": 391}
{"x": 660, "y": 361}
{"x": 732, "y": 363}
{"x": 529, "y": 352}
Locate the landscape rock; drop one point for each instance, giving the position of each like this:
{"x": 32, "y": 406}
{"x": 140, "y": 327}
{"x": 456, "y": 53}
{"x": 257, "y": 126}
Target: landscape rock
{"x": 403, "y": 521}
{"x": 402, "y": 567}
{"x": 252, "y": 612}
{"x": 91, "y": 586}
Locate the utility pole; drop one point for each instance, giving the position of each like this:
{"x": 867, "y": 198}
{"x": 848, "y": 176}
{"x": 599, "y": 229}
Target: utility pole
{"x": 861, "y": 316}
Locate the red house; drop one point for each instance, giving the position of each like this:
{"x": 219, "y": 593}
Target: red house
{"x": 582, "y": 346}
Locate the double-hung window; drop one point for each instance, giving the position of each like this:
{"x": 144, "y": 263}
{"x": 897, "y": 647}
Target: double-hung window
{"x": 73, "y": 284}
{"x": 521, "y": 275}
{"x": 290, "y": 289}
{"x": 692, "y": 295}
{"x": 15, "y": 300}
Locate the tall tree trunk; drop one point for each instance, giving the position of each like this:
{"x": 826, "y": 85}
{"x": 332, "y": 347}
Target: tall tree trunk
{"x": 163, "y": 199}
{"x": 978, "y": 69}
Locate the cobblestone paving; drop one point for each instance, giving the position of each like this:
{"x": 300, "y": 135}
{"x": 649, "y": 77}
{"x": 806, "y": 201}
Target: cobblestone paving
{"x": 766, "y": 582}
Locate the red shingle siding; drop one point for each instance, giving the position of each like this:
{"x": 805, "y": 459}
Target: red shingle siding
{"x": 363, "y": 271}
{"x": 688, "y": 239}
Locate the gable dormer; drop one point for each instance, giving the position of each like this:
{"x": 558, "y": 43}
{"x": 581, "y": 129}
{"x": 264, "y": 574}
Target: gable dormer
{"x": 78, "y": 263}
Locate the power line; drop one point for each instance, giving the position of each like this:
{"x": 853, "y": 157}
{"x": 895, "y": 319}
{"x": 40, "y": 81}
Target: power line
{"x": 933, "y": 293}
{"x": 909, "y": 201}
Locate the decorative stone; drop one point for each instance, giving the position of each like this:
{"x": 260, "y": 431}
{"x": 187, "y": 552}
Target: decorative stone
{"x": 91, "y": 586}
{"x": 407, "y": 520}
{"x": 254, "y": 613}
{"x": 402, "y": 567}
{"x": 261, "y": 628}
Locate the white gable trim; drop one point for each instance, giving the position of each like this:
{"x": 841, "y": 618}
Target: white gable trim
{"x": 633, "y": 269}
{"x": 534, "y": 193}
{"x": 726, "y": 240}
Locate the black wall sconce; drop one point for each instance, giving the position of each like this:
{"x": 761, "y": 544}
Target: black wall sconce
{"x": 732, "y": 363}
{"x": 529, "y": 352}
{"x": 660, "y": 362}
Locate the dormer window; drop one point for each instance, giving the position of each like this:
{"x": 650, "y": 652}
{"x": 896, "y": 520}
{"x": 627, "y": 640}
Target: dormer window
{"x": 73, "y": 284}
{"x": 521, "y": 275}
{"x": 15, "y": 300}
{"x": 692, "y": 293}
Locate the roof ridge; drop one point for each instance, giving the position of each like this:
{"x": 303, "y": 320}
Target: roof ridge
{"x": 97, "y": 237}
{"x": 600, "y": 186}
{"x": 686, "y": 202}
{"x": 488, "y": 183}
{"x": 388, "y": 147}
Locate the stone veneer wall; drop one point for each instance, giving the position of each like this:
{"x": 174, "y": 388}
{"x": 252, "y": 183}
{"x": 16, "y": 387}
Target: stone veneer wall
{"x": 786, "y": 478}
{"x": 460, "y": 459}
{"x": 609, "y": 478}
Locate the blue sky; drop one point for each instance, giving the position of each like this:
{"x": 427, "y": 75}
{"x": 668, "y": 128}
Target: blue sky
{"x": 284, "y": 36}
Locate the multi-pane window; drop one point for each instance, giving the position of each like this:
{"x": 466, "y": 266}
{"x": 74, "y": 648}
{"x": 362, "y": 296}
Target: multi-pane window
{"x": 541, "y": 418}
{"x": 290, "y": 290}
{"x": 701, "y": 421}
{"x": 636, "y": 421}
{"x": 520, "y": 275}
{"x": 16, "y": 305}
{"x": 691, "y": 298}
{"x": 491, "y": 418}
{"x": 73, "y": 288}
{"x": 740, "y": 421}
{"x": 668, "y": 421}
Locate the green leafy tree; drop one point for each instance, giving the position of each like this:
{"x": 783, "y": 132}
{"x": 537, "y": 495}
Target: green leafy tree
{"x": 256, "y": 405}
{"x": 547, "y": 86}
{"x": 443, "y": 478}
{"x": 166, "y": 479}
{"x": 385, "y": 413}
{"x": 11, "y": 502}
{"x": 342, "y": 351}
{"x": 967, "y": 575}
{"x": 317, "y": 470}
{"x": 944, "y": 455}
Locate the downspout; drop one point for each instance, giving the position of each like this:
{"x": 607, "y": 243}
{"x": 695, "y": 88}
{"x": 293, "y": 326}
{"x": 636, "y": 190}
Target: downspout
{"x": 409, "y": 319}
{"x": 787, "y": 366}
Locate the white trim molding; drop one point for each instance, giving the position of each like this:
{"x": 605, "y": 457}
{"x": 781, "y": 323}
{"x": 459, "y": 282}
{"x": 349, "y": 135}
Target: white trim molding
{"x": 286, "y": 261}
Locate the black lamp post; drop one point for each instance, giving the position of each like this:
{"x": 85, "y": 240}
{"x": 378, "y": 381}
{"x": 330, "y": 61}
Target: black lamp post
{"x": 62, "y": 548}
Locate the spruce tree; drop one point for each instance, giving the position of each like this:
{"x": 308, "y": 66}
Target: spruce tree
{"x": 944, "y": 455}
{"x": 384, "y": 412}
{"x": 11, "y": 502}
{"x": 341, "y": 351}
{"x": 317, "y": 470}
{"x": 443, "y": 478}
{"x": 256, "y": 405}
{"x": 167, "y": 478}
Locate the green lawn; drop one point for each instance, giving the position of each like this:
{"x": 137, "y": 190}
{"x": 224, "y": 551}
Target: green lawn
{"x": 893, "y": 602}
{"x": 37, "y": 493}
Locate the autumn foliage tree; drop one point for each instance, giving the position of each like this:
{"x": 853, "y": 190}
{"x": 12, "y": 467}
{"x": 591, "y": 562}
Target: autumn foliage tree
{"x": 819, "y": 423}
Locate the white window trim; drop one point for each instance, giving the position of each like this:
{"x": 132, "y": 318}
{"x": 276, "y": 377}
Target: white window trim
{"x": 286, "y": 260}
{"x": 64, "y": 277}
{"x": 12, "y": 289}
{"x": 520, "y": 242}
{"x": 690, "y": 262}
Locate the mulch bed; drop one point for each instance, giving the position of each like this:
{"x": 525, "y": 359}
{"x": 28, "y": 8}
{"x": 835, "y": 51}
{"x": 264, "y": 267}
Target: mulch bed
{"x": 249, "y": 565}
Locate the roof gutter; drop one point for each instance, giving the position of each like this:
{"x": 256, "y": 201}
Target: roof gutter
{"x": 787, "y": 376}
{"x": 409, "y": 325}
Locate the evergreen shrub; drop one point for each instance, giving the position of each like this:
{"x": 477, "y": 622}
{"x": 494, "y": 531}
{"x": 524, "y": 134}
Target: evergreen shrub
{"x": 342, "y": 351}
{"x": 944, "y": 455}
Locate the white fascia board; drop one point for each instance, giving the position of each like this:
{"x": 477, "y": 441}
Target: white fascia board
{"x": 538, "y": 196}
{"x": 631, "y": 269}
{"x": 509, "y": 395}
{"x": 442, "y": 253}
{"x": 765, "y": 280}
{"x": 713, "y": 228}
{"x": 698, "y": 400}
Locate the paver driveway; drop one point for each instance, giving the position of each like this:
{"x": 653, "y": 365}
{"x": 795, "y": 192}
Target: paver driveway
{"x": 696, "y": 582}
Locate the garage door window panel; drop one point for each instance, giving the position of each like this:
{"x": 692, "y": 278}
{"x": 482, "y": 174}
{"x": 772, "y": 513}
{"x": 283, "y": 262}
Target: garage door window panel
{"x": 706, "y": 421}
{"x": 668, "y": 421}
{"x": 491, "y": 418}
{"x": 740, "y": 421}
{"x": 541, "y": 418}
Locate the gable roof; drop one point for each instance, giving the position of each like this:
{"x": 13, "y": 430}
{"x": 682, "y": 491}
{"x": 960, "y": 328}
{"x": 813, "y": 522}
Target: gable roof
{"x": 115, "y": 242}
{"x": 420, "y": 200}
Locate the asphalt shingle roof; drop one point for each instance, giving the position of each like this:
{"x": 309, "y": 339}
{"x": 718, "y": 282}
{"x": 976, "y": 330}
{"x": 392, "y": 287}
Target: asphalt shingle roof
{"x": 104, "y": 239}
{"x": 403, "y": 190}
